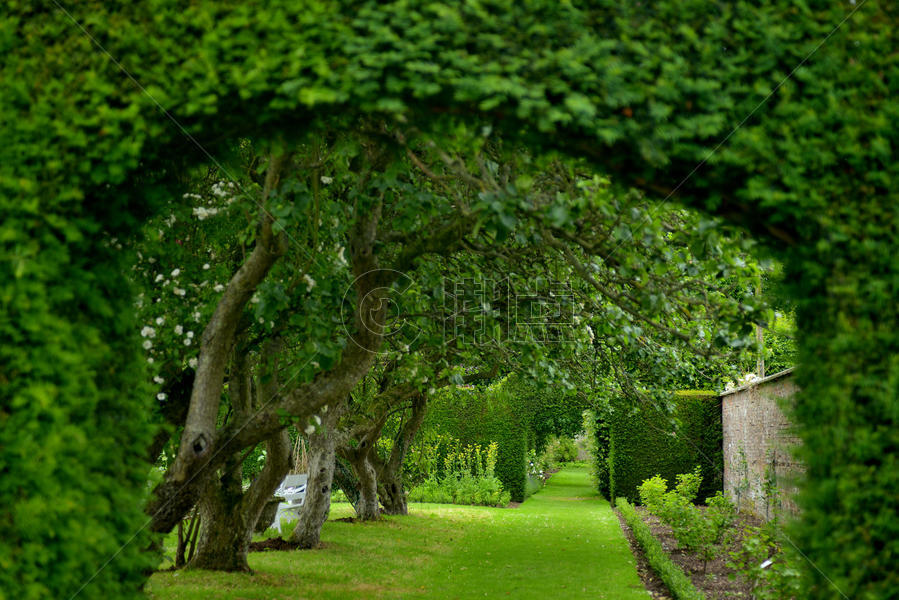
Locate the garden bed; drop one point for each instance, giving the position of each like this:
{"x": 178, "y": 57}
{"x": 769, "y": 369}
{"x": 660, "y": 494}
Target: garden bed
{"x": 715, "y": 583}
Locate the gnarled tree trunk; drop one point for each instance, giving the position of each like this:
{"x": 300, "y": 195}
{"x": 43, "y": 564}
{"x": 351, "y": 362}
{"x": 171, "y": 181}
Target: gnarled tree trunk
{"x": 390, "y": 472}
{"x": 361, "y": 458}
{"x": 228, "y": 515}
{"x": 322, "y": 455}
{"x": 367, "y": 507}
{"x": 204, "y": 448}
{"x": 393, "y": 495}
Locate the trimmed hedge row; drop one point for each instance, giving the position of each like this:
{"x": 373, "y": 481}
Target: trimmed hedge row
{"x": 483, "y": 416}
{"x": 644, "y": 441}
{"x": 596, "y": 426}
{"x": 678, "y": 583}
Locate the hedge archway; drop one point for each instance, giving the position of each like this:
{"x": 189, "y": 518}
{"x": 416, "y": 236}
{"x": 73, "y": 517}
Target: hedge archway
{"x": 789, "y": 119}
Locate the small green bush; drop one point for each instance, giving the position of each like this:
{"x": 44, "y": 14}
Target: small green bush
{"x": 678, "y": 583}
{"x": 562, "y": 449}
{"x": 700, "y": 532}
{"x": 533, "y": 485}
{"x": 769, "y": 570}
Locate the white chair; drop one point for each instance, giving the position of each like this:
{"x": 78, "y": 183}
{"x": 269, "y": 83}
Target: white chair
{"x": 293, "y": 490}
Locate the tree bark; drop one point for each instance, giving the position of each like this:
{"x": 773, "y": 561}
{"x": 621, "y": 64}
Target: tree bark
{"x": 219, "y": 335}
{"x": 367, "y": 507}
{"x": 188, "y": 476}
{"x": 390, "y": 473}
{"x": 228, "y": 515}
{"x": 361, "y": 459}
{"x": 393, "y": 495}
{"x": 322, "y": 455}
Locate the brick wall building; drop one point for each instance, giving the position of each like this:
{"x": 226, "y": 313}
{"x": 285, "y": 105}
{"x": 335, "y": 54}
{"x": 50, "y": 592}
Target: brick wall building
{"x": 759, "y": 469}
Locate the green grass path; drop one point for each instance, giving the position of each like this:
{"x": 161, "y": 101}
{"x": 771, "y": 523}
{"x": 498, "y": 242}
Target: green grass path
{"x": 563, "y": 542}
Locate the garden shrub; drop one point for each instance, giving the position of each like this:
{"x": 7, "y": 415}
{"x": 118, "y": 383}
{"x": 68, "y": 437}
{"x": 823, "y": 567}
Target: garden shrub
{"x": 770, "y": 571}
{"x": 75, "y": 423}
{"x": 678, "y": 583}
{"x": 538, "y": 468}
{"x": 511, "y": 468}
{"x": 698, "y": 531}
{"x": 644, "y": 441}
{"x": 562, "y": 449}
{"x": 532, "y": 485}
{"x": 468, "y": 478}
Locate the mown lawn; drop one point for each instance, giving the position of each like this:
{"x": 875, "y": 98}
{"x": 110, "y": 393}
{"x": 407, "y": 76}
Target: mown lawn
{"x": 564, "y": 542}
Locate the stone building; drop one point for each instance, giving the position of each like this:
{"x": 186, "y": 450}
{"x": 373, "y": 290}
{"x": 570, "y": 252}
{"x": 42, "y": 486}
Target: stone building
{"x": 760, "y": 472}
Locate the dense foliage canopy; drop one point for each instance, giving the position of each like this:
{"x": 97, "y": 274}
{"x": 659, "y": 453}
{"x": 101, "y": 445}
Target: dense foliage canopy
{"x": 769, "y": 116}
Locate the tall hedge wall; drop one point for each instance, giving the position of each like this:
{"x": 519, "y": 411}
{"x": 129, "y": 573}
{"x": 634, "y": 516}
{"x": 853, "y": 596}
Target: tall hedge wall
{"x": 645, "y": 441}
{"x": 596, "y": 426}
{"x": 482, "y": 416}
{"x": 73, "y": 426}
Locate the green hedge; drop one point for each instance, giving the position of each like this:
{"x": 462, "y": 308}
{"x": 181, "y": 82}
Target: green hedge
{"x": 645, "y": 440}
{"x": 476, "y": 415}
{"x": 596, "y": 427}
{"x": 678, "y": 583}
{"x": 550, "y": 410}
{"x": 73, "y": 426}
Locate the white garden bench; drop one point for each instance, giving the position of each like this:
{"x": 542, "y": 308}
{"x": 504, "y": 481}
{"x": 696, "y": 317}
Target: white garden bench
{"x": 293, "y": 490}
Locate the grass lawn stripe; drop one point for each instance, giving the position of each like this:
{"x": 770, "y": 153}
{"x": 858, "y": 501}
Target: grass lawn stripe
{"x": 563, "y": 542}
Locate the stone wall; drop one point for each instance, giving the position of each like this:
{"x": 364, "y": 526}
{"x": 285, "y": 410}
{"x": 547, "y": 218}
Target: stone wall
{"x": 759, "y": 469}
